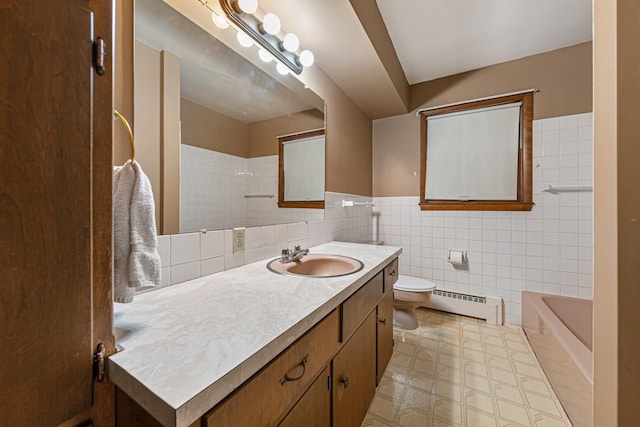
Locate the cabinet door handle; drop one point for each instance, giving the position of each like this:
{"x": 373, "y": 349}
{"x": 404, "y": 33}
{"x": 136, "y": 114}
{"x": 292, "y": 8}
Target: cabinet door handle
{"x": 383, "y": 321}
{"x": 393, "y": 273}
{"x": 345, "y": 381}
{"x": 302, "y": 363}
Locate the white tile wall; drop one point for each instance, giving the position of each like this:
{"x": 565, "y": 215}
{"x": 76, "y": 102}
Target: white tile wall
{"x": 207, "y": 177}
{"x": 546, "y": 250}
{"x": 191, "y": 255}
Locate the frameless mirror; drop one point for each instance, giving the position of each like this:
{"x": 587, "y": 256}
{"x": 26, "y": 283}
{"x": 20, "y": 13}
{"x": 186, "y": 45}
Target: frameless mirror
{"x": 231, "y": 114}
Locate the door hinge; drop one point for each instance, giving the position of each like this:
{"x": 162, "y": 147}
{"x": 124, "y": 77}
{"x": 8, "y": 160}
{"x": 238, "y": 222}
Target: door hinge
{"x": 99, "y": 358}
{"x": 329, "y": 386}
{"x": 98, "y": 56}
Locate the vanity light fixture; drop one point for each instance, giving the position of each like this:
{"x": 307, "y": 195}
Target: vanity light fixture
{"x": 265, "y": 33}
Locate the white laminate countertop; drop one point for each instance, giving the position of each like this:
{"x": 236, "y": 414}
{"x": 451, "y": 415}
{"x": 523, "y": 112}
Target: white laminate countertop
{"x": 188, "y": 346}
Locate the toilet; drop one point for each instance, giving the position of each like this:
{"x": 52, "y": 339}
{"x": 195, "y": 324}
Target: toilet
{"x": 409, "y": 293}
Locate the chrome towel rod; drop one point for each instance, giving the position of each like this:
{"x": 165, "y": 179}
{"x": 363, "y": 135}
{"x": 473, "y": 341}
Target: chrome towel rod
{"x": 351, "y": 203}
{"x": 555, "y": 189}
{"x": 258, "y": 196}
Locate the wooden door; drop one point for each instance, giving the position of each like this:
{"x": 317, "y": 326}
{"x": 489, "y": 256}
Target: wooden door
{"x": 55, "y": 210}
{"x": 354, "y": 375}
{"x": 314, "y": 408}
{"x": 385, "y": 333}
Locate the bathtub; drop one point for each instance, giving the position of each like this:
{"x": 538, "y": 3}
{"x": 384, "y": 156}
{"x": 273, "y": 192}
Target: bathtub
{"x": 560, "y": 332}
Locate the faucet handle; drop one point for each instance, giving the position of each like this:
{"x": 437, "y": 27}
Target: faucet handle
{"x": 284, "y": 255}
{"x": 296, "y": 248}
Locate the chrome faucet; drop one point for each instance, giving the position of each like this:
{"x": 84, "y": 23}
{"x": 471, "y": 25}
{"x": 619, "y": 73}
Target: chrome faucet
{"x": 296, "y": 254}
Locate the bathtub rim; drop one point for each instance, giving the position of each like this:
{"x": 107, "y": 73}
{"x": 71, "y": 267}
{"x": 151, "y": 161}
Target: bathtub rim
{"x": 571, "y": 344}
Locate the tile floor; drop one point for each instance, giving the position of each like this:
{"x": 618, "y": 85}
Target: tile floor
{"x": 459, "y": 371}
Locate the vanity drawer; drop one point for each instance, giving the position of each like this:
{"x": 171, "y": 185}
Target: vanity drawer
{"x": 390, "y": 274}
{"x": 268, "y": 396}
{"x": 355, "y": 309}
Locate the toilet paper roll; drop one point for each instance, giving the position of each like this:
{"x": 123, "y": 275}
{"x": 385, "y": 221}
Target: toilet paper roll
{"x": 456, "y": 257}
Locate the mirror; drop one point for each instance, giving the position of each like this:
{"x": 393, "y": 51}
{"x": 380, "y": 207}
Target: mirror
{"x": 211, "y": 119}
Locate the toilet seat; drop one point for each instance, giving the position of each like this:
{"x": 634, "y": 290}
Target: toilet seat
{"x": 413, "y": 284}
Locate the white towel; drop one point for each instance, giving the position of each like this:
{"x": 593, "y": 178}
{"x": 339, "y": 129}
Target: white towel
{"x": 135, "y": 243}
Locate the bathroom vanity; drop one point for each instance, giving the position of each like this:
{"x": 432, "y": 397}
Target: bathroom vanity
{"x": 251, "y": 347}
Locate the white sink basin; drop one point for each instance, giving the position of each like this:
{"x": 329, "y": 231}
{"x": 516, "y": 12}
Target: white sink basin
{"x": 317, "y": 265}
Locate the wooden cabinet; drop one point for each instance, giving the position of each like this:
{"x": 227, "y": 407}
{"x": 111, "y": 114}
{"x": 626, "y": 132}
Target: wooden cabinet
{"x": 326, "y": 378}
{"x": 354, "y": 375}
{"x": 384, "y": 329}
{"x": 314, "y": 408}
{"x": 275, "y": 389}
{"x": 384, "y": 325}
{"x": 55, "y": 212}
{"x": 355, "y": 309}
{"x": 390, "y": 275}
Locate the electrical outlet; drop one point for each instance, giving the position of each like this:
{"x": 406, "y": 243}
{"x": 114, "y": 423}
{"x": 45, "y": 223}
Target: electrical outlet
{"x": 238, "y": 239}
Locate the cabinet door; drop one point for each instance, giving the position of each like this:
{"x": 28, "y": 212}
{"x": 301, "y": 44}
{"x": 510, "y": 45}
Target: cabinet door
{"x": 272, "y": 392}
{"x": 55, "y": 210}
{"x": 385, "y": 333}
{"x": 314, "y": 408}
{"x": 354, "y": 375}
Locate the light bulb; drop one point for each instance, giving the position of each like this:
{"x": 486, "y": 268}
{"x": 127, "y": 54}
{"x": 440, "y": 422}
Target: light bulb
{"x": 219, "y": 21}
{"x": 291, "y": 42}
{"x": 306, "y": 58}
{"x": 248, "y": 6}
{"x": 244, "y": 39}
{"x": 271, "y": 23}
{"x": 282, "y": 69}
{"x": 265, "y": 55}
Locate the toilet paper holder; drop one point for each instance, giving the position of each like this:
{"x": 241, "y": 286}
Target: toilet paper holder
{"x": 459, "y": 257}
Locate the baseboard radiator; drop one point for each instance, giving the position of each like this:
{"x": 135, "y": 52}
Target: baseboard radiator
{"x": 488, "y": 308}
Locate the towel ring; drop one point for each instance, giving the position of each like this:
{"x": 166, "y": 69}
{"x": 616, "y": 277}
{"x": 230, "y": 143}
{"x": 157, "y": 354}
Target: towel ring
{"x": 116, "y": 116}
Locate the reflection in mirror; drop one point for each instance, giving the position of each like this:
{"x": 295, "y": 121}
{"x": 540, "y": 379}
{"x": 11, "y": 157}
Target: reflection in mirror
{"x": 301, "y": 170}
{"x": 229, "y": 114}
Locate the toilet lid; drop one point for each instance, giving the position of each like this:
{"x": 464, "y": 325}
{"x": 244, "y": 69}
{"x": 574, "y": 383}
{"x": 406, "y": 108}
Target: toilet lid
{"x": 413, "y": 284}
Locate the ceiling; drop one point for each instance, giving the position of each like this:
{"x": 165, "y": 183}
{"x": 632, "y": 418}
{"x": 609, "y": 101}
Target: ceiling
{"x": 361, "y": 44}
{"x": 437, "y": 38}
{"x": 374, "y": 50}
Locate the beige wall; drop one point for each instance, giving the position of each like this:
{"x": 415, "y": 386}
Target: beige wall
{"x": 373, "y": 24}
{"x": 348, "y": 137}
{"x": 396, "y": 156}
{"x": 147, "y": 116}
{"x": 123, "y": 78}
{"x": 170, "y": 144}
{"x": 205, "y": 128}
{"x": 616, "y": 213}
{"x": 263, "y": 135}
{"x": 563, "y": 77}
{"x": 157, "y": 134}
